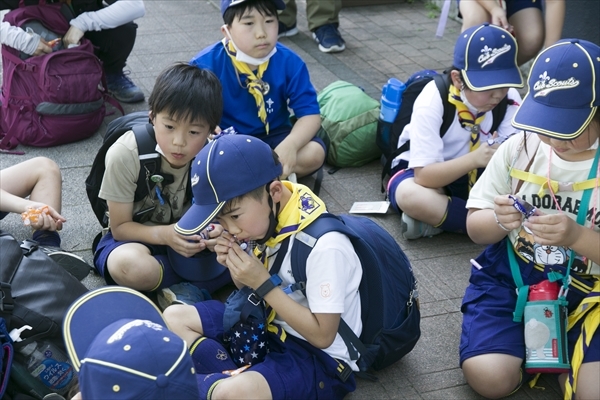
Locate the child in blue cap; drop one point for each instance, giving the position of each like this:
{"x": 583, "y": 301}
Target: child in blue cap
{"x": 119, "y": 343}
{"x": 431, "y": 179}
{"x": 307, "y": 359}
{"x": 554, "y": 167}
{"x": 261, "y": 79}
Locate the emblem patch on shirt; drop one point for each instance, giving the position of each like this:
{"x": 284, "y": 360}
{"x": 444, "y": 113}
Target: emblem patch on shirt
{"x": 307, "y": 203}
{"x": 325, "y": 290}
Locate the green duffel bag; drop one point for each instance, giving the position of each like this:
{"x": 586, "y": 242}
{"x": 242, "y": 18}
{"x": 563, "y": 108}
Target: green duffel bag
{"x": 349, "y": 124}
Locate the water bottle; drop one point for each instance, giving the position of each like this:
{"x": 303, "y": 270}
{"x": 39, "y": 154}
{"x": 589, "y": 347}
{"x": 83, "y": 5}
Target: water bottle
{"x": 45, "y": 362}
{"x": 391, "y": 100}
{"x": 546, "y": 329}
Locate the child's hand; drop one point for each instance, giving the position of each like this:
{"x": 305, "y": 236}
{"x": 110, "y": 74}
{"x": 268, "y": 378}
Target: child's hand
{"x": 187, "y": 246}
{"x": 73, "y": 36}
{"x": 244, "y": 268}
{"x": 287, "y": 156}
{"x": 499, "y": 18}
{"x": 42, "y": 48}
{"x": 483, "y": 154}
{"x": 507, "y": 215}
{"x": 210, "y": 235}
{"x": 42, "y": 217}
{"x": 554, "y": 229}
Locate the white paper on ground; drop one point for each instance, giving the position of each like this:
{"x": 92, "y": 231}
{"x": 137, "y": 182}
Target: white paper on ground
{"x": 370, "y": 207}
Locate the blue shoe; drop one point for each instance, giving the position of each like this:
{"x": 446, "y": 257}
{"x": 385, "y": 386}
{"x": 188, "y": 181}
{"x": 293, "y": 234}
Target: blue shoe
{"x": 123, "y": 88}
{"x": 329, "y": 39}
{"x": 181, "y": 293}
{"x": 287, "y": 31}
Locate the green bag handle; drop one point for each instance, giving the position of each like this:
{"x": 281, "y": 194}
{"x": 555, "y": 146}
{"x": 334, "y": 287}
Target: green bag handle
{"x": 523, "y": 290}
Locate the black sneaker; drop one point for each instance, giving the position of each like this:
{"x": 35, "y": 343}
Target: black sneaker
{"x": 329, "y": 39}
{"x": 287, "y": 31}
{"x": 72, "y": 263}
{"x": 123, "y": 88}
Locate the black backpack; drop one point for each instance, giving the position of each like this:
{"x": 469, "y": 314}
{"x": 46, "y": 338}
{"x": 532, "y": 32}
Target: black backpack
{"x": 150, "y": 161}
{"x": 415, "y": 85}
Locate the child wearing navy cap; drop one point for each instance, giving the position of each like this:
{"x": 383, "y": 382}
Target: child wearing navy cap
{"x": 431, "y": 179}
{"x": 307, "y": 359}
{"x": 120, "y": 345}
{"x": 262, "y": 80}
{"x": 554, "y": 167}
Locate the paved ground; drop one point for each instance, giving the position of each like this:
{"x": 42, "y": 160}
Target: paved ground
{"x": 382, "y": 41}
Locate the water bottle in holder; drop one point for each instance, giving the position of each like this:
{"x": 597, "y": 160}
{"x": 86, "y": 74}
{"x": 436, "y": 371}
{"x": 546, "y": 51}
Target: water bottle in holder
{"x": 546, "y": 329}
{"x": 391, "y": 100}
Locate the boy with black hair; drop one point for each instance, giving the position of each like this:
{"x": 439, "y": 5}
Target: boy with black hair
{"x": 261, "y": 79}
{"x": 185, "y": 107}
{"x": 307, "y": 358}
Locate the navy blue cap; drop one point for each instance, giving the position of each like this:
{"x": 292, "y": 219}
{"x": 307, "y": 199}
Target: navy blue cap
{"x": 487, "y": 56}
{"x": 225, "y": 4}
{"x": 564, "y": 90}
{"x": 119, "y": 343}
{"x": 228, "y": 167}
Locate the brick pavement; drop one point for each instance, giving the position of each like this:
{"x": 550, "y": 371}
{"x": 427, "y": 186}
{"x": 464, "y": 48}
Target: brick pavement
{"x": 382, "y": 41}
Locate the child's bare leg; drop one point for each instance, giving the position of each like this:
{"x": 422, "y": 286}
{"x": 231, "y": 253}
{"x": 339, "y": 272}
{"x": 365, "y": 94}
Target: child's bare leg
{"x": 529, "y": 31}
{"x": 493, "y": 375}
{"x": 309, "y": 159}
{"x": 133, "y": 266}
{"x": 588, "y": 385}
{"x": 421, "y": 203}
{"x": 473, "y": 14}
{"x": 184, "y": 321}
{"x": 39, "y": 178}
{"x": 249, "y": 385}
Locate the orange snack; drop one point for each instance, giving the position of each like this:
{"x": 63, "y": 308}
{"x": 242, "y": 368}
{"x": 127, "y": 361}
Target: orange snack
{"x": 32, "y": 215}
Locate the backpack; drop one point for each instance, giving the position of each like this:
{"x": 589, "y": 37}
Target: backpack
{"x": 6, "y": 356}
{"x": 414, "y": 86}
{"x": 150, "y": 161}
{"x": 34, "y": 290}
{"x": 349, "y": 121}
{"x": 51, "y": 99}
{"x": 388, "y": 289}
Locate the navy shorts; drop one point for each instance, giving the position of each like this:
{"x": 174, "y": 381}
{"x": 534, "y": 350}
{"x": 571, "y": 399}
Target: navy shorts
{"x": 273, "y": 139}
{"x": 3, "y": 215}
{"x": 175, "y": 270}
{"x": 458, "y": 188}
{"x": 293, "y": 368}
{"x": 489, "y": 303}
{"x": 514, "y": 6}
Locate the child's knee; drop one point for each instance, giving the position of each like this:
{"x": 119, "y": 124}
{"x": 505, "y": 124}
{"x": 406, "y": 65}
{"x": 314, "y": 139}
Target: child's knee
{"x": 132, "y": 268}
{"x": 47, "y": 167}
{"x": 493, "y": 375}
{"x": 176, "y": 317}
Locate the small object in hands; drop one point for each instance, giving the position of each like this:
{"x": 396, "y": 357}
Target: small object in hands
{"x": 32, "y": 215}
{"x": 159, "y": 195}
{"x": 524, "y": 207}
{"x": 229, "y": 131}
{"x": 54, "y": 42}
{"x": 246, "y": 246}
{"x": 205, "y": 233}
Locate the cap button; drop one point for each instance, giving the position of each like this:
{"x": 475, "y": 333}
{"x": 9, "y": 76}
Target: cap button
{"x": 574, "y": 41}
{"x": 162, "y": 381}
{"x": 486, "y": 24}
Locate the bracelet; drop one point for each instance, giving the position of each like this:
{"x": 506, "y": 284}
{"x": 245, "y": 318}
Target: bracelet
{"x": 499, "y": 224}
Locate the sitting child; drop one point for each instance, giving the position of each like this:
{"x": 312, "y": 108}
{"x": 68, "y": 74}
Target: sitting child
{"x": 33, "y": 188}
{"x": 121, "y": 347}
{"x": 253, "y": 205}
{"x": 261, "y": 79}
{"x": 558, "y": 175}
{"x": 185, "y": 107}
{"x": 430, "y": 182}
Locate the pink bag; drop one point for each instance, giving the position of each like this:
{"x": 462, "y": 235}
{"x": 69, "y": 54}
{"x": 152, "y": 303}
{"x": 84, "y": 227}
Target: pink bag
{"x": 51, "y": 99}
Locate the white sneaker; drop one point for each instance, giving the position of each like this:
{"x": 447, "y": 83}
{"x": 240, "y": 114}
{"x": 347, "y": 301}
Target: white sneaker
{"x": 413, "y": 229}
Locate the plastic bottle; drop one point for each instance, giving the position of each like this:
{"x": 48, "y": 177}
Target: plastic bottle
{"x": 546, "y": 329}
{"x": 45, "y": 362}
{"x": 391, "y": 100}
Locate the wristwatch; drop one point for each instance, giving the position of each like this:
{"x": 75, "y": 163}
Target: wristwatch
{"x": 269, "y": 285}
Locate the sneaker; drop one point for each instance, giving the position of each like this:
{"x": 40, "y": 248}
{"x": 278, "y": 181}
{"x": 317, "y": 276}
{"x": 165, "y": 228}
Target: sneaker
{"x": 285, "y": 31}
{"x": 123, "y": 88}
{"x": 72, "y": 263}
{"x": 329, "y": 39}
{"x": 181, "y": 293}
{"x": 413, "y": 229}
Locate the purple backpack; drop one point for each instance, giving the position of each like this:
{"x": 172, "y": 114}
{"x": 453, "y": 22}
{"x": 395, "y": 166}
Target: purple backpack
{"x": 54, "y": 98}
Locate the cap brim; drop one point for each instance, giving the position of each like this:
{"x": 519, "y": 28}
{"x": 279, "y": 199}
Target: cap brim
{"x": 555, "y": 122}
{"x": 95, "y": 310}
{"x": 493, "y": 79}
{"x": 197, "y": 217}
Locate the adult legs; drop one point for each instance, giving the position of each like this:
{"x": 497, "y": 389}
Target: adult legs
{"x": 528, "y": 24}
{"x": 473, "y": 14}
{"x": 319, "y": 13}
{"x": 288, "y": 15}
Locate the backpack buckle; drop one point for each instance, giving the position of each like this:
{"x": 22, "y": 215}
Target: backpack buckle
{"x": 6, "y": 301}
{"x": 254, "y": 299}
{"x": 343, "y": 370}
{"x": 28, "y": 246}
